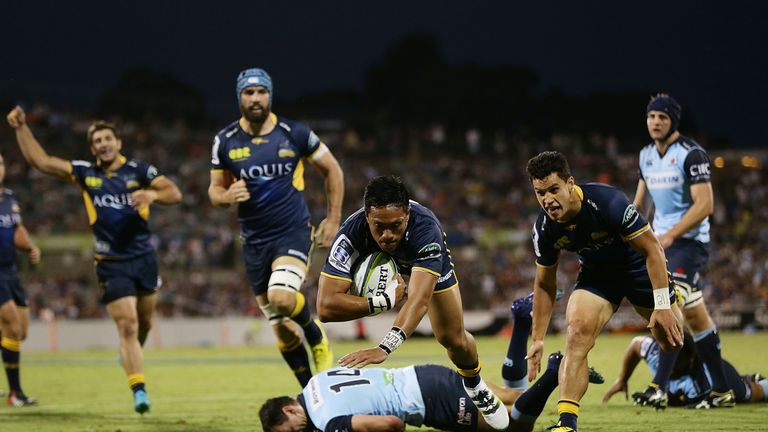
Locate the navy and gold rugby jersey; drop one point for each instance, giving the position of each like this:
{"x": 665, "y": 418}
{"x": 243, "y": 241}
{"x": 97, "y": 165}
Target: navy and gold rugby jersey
{"x": 120, "y": 231}
{"x": 10, "y": 218}
{"x": 272, "y": 166}
{"x": 423, "y": 246}
{"x": 598, "y": 233}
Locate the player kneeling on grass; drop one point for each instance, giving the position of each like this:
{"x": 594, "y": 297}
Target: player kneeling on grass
{"x": 378, "y": 399}
{"x": 412, "y": 235}
{"x": 691, "y": 381}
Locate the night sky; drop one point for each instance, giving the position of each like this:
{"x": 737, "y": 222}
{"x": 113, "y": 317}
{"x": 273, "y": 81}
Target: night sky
{"x": 712, "y": 57}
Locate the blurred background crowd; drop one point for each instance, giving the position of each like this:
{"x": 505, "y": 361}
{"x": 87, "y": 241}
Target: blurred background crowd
{"x": 473, "y": 178}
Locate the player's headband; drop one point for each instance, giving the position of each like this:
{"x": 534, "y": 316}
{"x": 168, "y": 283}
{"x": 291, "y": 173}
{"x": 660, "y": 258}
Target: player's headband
{"x": 254, "y": 77}
{"x": 669, "y": 106}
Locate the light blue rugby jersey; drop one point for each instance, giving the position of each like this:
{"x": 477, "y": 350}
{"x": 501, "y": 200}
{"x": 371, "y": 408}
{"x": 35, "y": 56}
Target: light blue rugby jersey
{"x": 687, "y": 385}
{"x": 368, "y": 391}
{"x": 669, "y": 178}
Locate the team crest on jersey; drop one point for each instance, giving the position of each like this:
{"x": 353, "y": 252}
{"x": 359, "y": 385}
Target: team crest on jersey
{"x": 431, "y": 250}
{"x": 259, "y": 140}
{"x": 239, "y": 154}
{"x": 93, "y": 182}
{"x": 562, "y": 242}
{"x": 284, "y": 150}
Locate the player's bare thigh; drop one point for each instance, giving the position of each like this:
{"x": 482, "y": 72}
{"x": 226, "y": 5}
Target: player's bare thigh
{"x": 586, "y": 314}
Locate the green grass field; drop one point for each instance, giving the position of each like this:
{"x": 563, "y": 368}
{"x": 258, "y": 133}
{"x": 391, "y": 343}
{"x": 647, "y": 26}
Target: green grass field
{"x": 221, "y": 389}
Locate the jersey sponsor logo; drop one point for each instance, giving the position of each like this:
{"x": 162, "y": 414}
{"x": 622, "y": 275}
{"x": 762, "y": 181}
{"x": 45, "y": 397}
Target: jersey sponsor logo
{"x": 315, "y": 395}
{"x": 341, "y": 253}
{"x": 130, "y": 184}
{"x": 9, "y": 220}
{"x": 239, "y": 153}
{"x": 267, "y": 171}
{"x": 562, "y": 242}
{"x": 93, "y": 182}
{"x": 115, "y": 201}
{"x": 101, "y": 246}
{"x": 463, "y": 417}
{"x": 429, "y": 251}
{"x": 570, "y": 227}
{"x": 664, "y": 179}
{"x": 701, "y": 169}
{"x": 284, "y": 150}
{"x": 259, "y": 140}
{"x": 630, "y": 215}
{"x": 445, "y": 277}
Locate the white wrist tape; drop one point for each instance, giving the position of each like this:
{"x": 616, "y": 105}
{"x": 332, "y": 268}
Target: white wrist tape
{"x": 661, "y": 298}
{"x": 379, "y": 304}
{"x": 392, "y": 340}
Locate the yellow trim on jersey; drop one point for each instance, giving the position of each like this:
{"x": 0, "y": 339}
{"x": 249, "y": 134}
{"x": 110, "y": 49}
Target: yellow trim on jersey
{"x": 545, "y": 266}
{"x": 335, "y": 277}
{"x": 426, "y": 270}
{"x": 579, "y": 192}
{"x": 89, "y": 208}
{"x": 156, "y": 179}
{"x": 244, "y": 123}
{"x": 298, "y": 176}
{"x": 637, "y": 233}
{"x": 218, "y": 170}
{"x": 450, "y": 288}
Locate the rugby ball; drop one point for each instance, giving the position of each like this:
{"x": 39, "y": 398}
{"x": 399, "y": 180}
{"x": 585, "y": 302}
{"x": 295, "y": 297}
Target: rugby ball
{"x": 373, "y": 276}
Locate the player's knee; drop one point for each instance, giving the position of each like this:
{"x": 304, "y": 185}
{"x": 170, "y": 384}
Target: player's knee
{"x": 128, "y": 327}
{"x": 580, "y": 337}
{"x": 284, "y": 282}
{"x": 451, "y": 340}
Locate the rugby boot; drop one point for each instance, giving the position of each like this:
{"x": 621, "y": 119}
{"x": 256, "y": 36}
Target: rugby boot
{"x": 489, "y": 406}
{"x": 322, "y": 353}
{"x": 19, "y": 399}
{"x": 141, "y": 403}
{"x": 715, "y": 400}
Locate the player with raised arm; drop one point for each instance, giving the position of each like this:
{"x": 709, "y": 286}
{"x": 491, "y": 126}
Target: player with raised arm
{"x": 118, "y": 193}
{"x": 412, "y": 235}
{"x": 675, "y": 171}
{"x": 14, "y": 309}
{"x": 258, "y": 164}
{"x": 619, "y": 256}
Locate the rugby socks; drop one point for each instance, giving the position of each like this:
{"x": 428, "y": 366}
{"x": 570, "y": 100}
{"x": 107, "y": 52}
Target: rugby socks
{"x": 514, "y": 370}
{"x": 470, "y": 375}
{"x": 667, "y": 360}
{"x": 302, "y": 317}
{"x": 708, "y": 346}
{"x": 136, "y": 382}
{"x": 569, "y": 413}
{"x": 296, "y": 356}
{"x": 529, "y": 405}
{"x": 11, "y": 353}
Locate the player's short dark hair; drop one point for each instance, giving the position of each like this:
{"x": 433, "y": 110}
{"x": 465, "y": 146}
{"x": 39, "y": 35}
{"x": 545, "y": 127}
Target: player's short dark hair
{"x": 101, "y": 125}
{"x": 386, "y": 190}
{"x": 545, "y": 163}
{"x": 271, "y": 413}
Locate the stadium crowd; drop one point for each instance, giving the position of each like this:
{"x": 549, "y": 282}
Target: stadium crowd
{"x": 474, "y": 180}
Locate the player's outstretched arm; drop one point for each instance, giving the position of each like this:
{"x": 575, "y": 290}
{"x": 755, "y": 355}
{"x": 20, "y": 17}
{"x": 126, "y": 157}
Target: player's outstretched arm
{"x": 335, "y": 304}
{"x": 544, "y": 292}
{"x": 329, "y": 167}
{"x": 377, "y": 423}
{"x": 31, "y": 149}
{"x": 629, "y": 363}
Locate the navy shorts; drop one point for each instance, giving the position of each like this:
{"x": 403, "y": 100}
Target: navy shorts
{"x": 133, "y": 277}
{"x": 448, "y": 406}
{"x": 685, "y": 259}
{"x": 259, "y": 257}
{"x": 615, "y": 286}
{"x": 10, "y": 289}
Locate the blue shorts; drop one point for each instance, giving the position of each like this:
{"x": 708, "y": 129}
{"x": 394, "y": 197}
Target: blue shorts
{"x": 10, "y": 289}
{"x": 448, "y": 407}
{"x": 615, "y": 286}
{"x": 259, "y": 257}
{"x": 128, "y": 278}
{"x": 685, "y": 259}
